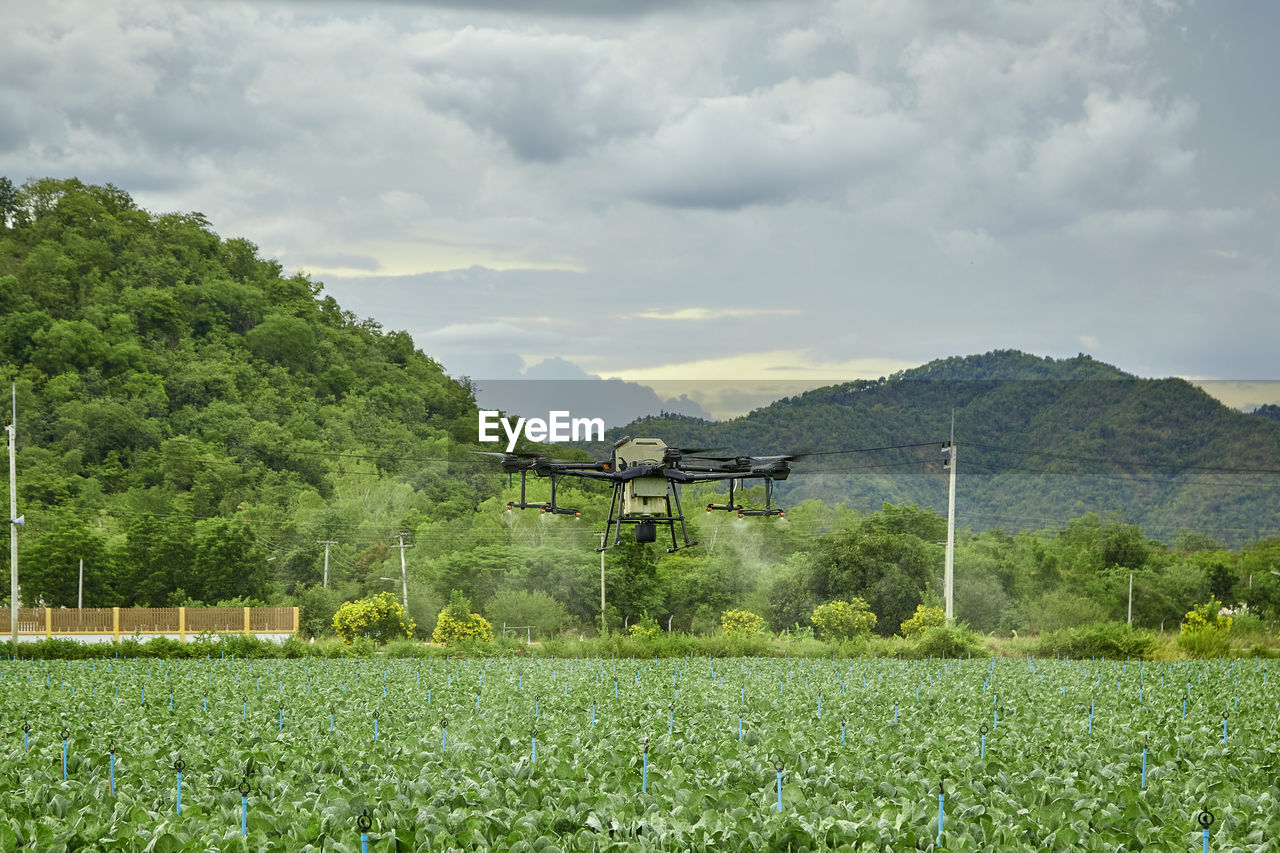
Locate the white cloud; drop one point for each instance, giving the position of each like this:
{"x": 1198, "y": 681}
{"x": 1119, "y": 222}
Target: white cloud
{"x": 822, "y": 173}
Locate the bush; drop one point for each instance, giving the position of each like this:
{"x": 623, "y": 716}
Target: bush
{"x": 923, "y": 619}
{"x": 536, "y": 609}
{"x": 941, "y": 641}
{"x": 1205, "y": 631}
{"x": 379, "y": 618}
{"x": 1207, "y": 615}
{"x": 457, "y": 623}
{"x": 1204, "y": 642}
{"x": 741, "y": 623}
{"x": 843, "y": 620}
{"x": 316, "y": 608}
{"x": 646, "y": 628}
{"x": 1110, "y": 640}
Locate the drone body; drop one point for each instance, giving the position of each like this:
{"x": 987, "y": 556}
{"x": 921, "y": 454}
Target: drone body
{"x": 646, "y": 475}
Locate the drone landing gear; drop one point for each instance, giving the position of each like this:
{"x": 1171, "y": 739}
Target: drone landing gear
{"x": 549, "y": 507}
{"x": 730, "y": 506}
{"x": 647, "y": 525}
{"x": 769, "y": 510}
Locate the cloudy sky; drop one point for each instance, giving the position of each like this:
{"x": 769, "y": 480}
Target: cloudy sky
{"x": 698, "y": 191}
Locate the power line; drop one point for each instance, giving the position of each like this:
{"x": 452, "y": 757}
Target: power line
{"x": 1130, "y": 462}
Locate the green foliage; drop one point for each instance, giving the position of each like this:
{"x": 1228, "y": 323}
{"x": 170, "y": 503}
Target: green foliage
{"x": 457, "y": 624}
{"x": 1205, "y": 631}
{"x": 1206, "y": 642}
{"x": 646, "y": 628}
{"x": 923, "y": 619}
{"x": 512, "y": 607}
{"x": 941, "y": 641}
{"x": 1108, "y": 640}
{"x": 316, "y": 608}
{"x": 379, "y": 618}
{"x": 740, "y": 623}
{"x": 1207, "y": 616}
{"x": 843, "y": 620}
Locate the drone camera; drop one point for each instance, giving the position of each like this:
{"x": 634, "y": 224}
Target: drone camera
{"x": 646, "y": 531}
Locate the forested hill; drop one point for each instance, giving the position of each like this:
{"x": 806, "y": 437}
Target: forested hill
{"x": 1040, "y": 441}
{"x": 191, "y": 420}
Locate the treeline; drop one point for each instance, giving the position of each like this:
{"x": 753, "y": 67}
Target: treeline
{"x": 1040, "y": 441}
{"x": 193, "y": 423}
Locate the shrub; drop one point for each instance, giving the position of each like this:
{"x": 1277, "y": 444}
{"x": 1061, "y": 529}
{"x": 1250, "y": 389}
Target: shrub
{"x": 1111, "y": 640}
{"x": 923, "y": 619}
{"x": 741, "y": 623}
{"x": 647, "y": 628}
{"x": 457, "y": 623}
{"x": 379, "y": 618}
{"x": 843, "y": 620}
{"x": 543, "y": 613}
{"x": 1207, "y": 615}
{"x": 942, "y": 641}
{"x": 1205, "y": 631}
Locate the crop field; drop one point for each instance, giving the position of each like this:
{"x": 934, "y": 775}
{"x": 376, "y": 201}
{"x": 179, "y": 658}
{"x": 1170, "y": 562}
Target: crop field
{"x": 525, "y": 754}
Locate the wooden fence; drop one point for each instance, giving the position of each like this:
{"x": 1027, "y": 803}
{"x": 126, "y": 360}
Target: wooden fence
{"x": 152, "y": 621}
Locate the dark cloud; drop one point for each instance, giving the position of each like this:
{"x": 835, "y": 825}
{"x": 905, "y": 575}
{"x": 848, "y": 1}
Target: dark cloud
{"x": 599, "y": 182}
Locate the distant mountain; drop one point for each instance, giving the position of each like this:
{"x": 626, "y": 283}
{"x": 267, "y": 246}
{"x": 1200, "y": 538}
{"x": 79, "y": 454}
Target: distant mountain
{"x": 1039, "y": 441}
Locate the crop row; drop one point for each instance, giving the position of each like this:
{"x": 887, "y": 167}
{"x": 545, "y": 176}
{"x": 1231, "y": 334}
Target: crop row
{"x": 671, "y": 754}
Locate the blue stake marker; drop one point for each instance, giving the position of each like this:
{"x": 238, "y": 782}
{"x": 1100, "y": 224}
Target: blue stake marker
{"x": 64, "y": 755}
{"x": 112, "y": 771}
{"x": 1205, "y": 819}
{"x": 941, "y": 798}
{"x": 739, "y": 727}
{"x": 533, "y": 748}
{"x": 179, "y": 766}
{"x": 842, "y": 725}
{"x": 1144, "y": 766}
{"x": 779, "y": 790}
{"x": 244, "y": 806}
{"x": 644, "y": 779}
{"x": 364, "y": 824}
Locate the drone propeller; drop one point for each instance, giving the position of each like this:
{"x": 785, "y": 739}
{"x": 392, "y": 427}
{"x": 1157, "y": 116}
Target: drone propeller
{"x": 780, "y": 457}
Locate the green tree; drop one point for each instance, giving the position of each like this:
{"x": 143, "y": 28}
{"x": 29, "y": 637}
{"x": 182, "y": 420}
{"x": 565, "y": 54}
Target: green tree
{"x": 50, "y": 567}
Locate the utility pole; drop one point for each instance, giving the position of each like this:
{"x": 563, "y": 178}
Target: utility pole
{"x": 80, "y": 587}
{"x": 326, "y": 543}
{"x": 1131, "y": 598}
{"x": 948, "y": 576}
{"x": 404, "y": 574}
{"x": 14, "y": 521}
{"x": 604, "y": 628}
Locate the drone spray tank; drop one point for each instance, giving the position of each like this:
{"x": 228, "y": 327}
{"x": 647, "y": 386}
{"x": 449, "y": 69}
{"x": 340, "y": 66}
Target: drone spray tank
{"x": 644, "y": 497}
